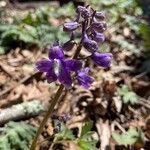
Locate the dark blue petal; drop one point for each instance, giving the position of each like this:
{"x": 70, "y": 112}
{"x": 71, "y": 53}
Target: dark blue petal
{"x": 84, "y": 79}
{"x": 64, "y": 76}
{"x": 44, "y": 65}
{"x": 50, "y": 76}
{"x": 98, "y": 37}
{"x": 56, "y": 52}
{"x": 102, "y": 59}
{"x": 89, "y": 44}
{"x": 73, "y": 65}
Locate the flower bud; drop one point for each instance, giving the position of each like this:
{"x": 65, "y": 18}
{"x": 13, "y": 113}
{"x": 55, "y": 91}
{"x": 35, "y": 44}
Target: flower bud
{"x": 85, "y": 13}
{"x": 102, "y": 59}
{"x": 57, "y": 128}
{"x": 89, "y": 44}
{"x": 99, "y": 26}
{"x": 83, "y": 78}
{"x": 64, "y": 118}
{"x": 70, "y": 26}
{"x": 100, "y": 15}
{"x": 98, "y": 37}
{"x": 69, "y": 45}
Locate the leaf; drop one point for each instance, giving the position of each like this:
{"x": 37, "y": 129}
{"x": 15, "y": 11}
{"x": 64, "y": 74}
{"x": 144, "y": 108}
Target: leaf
{"x": 86, "y": 141}
{"x": 65, "y": 133}
{"x": 128, "y": 138}
{"x": 16, "y": 136}
{"x": 87, "y": 135}
{"x": 86, "y": 128}
{"x": 127, "y": 95}
{"x": 145, "y": 31}
{"x": 130, "y": 97}
{"x": 87, "y": 145}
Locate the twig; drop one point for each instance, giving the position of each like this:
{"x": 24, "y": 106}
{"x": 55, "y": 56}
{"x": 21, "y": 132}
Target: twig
{"x": 147, "y": 105}
{"x": 103, "y": 130}
{"x": 5, "y": 70}
{"x": 22, "y": 111}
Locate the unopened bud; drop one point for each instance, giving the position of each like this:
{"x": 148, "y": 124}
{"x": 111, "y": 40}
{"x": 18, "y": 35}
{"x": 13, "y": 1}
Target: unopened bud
{"x": 85, "y": 13}
{"x": 70, "y": 26}
{"x": 100, "y": 15}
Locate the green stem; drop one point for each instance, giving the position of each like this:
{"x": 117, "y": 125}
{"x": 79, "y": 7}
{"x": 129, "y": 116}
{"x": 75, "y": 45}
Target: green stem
{"x": 50, "y": 110}
{"x": 52, "y": 106}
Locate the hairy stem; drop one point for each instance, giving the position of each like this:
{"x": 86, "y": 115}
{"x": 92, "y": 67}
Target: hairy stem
{"x": 52, "y": 105}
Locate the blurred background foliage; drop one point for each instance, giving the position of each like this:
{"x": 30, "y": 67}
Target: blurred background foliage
{"x": 131, "y": 32}
{"x": 33, "y": 28}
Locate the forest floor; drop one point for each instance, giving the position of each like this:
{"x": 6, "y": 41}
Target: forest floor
{"x": 118, "y": 100}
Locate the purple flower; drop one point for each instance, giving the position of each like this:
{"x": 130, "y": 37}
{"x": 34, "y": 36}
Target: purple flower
{"x": 83, "y": 78}
{"x": 102, "y": 59}
{"x": 85, "y": 13}
{"x": 98, "y": 37}
{"x": 89, "y": 44}
{"x": 56, "y": 67}
{"x": 100, "y": 15}
{"x": 99, "y": 26}
{"x": 70, "y": 26}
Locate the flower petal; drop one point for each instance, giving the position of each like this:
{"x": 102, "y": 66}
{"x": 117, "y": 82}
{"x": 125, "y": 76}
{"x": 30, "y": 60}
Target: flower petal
{"x": 89, "y": 44}
{"x": 56, "y": 52}
{"x": 98, "y": 37}
{"x": 99, "y": 26}
{"x": 84, "y": 79}
{"x": 50, "y": 76}
{"x": 44, "y": 65}
{"x": 102, "y": 59}
{"x": 73, "y": 65}
{"x": 64, "y": 76}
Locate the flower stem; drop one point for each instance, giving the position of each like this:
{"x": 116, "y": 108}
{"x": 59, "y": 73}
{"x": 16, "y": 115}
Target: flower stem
{"x": 52, "y": 105}
{"x": 50, "y": 110}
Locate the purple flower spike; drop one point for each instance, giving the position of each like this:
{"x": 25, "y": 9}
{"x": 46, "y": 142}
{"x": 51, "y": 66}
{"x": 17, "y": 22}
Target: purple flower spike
{"x": 85, "y": 13}
{"x": 98, "y": 37}
{"x": 83, "y": 78}
{"x": 70, "y": 26}
{"x": 89, "y": 44}
{"x": 102, "y": 59}
{"x": 56, "y": 67}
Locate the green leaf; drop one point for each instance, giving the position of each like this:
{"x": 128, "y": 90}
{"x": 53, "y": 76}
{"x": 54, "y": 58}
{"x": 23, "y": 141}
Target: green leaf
{"x": 87, "y": 145}
{"x": 86, "y": 128}
{"x": 16, "y": 136}
{"x": 65, "y": 134}
{"x": 128, "y": 138}
{"x": 87, "y": 135}
{"x": 130, "y": 97}
{"x": 127, "y": 95}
